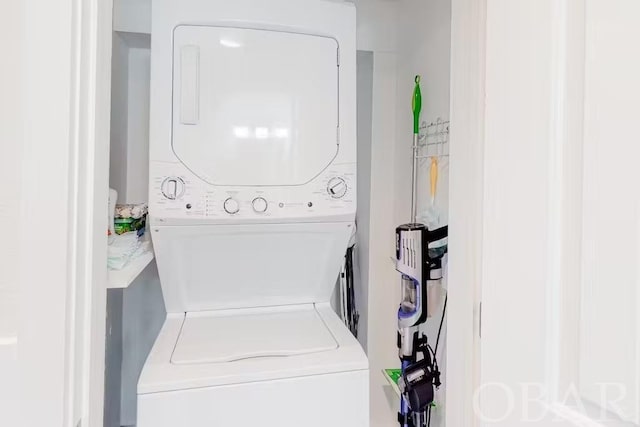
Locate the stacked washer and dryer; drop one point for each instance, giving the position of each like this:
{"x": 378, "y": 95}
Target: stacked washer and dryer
{"x": 252, "y": 207}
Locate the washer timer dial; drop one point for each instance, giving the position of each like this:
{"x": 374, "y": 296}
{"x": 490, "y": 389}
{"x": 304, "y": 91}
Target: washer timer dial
{"x": 337, "y": 187}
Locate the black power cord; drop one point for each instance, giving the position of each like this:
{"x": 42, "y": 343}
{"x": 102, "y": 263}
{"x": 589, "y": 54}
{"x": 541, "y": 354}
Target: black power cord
{"x": 352, "y": 312}
{"x": 444, "y": 311}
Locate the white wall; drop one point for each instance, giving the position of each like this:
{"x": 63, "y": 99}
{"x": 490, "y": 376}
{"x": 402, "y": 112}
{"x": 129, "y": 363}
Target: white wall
{"x": 113, "y": 360}
{"x": 129, "y": 165}
{"x": 132, "y": 16}
{"x": 363, "y": 214}
{"x": 424, "y": 46}
{"x": 143, "y": 314}
{"x": 138, "y": 123}
{"x": 119, "y": 115}
{"x": 134, "y": 318}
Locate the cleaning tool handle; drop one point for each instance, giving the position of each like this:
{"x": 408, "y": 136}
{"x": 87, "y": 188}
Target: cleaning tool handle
{"x": 434, "y": 178}
{"x": 416, "y": 105}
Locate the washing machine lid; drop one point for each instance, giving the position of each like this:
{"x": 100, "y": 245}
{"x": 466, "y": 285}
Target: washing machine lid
{"x": 162, "y": 374}
{"x": 229, "y": 336}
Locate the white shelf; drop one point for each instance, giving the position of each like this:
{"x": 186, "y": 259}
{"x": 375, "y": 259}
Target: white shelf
{"x": 119, "y": 279}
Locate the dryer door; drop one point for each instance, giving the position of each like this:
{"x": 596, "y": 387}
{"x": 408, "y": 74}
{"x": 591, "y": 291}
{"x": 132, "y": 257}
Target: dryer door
{"x": 254, "y": 107}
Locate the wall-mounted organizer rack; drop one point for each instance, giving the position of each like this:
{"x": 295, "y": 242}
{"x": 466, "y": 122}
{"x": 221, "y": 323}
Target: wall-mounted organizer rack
{"x": 434, "y": 139}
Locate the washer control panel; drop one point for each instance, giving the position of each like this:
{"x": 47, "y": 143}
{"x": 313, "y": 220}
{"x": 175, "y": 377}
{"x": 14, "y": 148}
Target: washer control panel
{"x": 231, "y": 206}
{"x": 337, "y": 187}
{"x": 179, "y": 194}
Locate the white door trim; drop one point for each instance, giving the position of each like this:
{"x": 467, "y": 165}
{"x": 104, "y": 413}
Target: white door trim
{"x": 94, "y": 117}
{"x": 468, "y": 28}
{"x": 535, "y": 65}
{"x": 63, "y": 211}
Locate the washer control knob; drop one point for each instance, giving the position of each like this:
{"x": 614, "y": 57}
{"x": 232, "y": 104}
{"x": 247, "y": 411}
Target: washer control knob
{"x": 231, "y": 206}
{"x": 259, "y": 204}
{"x": 172, "y": 188}
{"x": 337, "y": 187}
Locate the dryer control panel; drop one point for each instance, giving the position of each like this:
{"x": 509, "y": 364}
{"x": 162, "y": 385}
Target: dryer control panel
{"x": 180, "y": 194}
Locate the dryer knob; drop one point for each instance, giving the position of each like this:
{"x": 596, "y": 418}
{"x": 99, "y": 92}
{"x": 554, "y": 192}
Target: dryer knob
{"x": 231, "y": 206}
{"x": 173, "y": 188}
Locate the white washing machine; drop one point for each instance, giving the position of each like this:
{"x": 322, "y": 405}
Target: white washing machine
{"x": 252, "y": 206}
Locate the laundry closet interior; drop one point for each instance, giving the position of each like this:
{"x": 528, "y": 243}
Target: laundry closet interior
{"x": 395, "y": 41}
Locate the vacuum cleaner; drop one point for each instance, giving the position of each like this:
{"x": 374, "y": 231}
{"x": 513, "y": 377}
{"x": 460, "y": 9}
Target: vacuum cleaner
{"x": 419, "y": 255}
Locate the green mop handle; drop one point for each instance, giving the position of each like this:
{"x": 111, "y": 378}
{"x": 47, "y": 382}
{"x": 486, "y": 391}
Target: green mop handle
{"x": 416, "y": 105}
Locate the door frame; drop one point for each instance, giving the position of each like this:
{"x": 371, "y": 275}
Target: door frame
{"x": 480, "y": 245}
{"x": 63, "y": 210}
{"x": 95, "y": 39}
{"x": 466, "y": 207}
